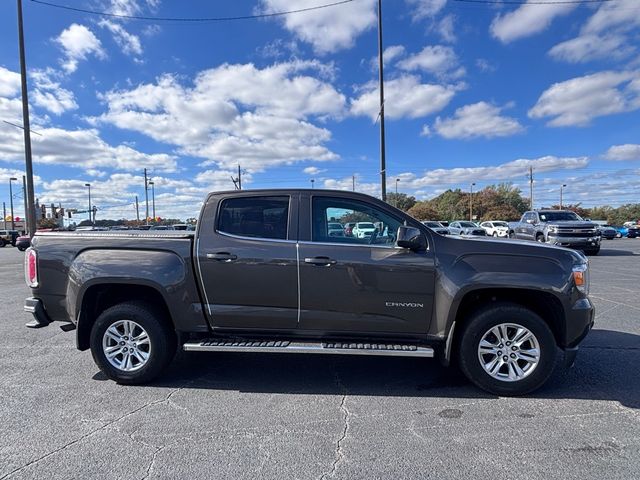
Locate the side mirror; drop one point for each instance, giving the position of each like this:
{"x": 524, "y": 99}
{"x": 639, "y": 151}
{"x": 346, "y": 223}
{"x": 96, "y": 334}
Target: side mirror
{"x": 411, "y": 238}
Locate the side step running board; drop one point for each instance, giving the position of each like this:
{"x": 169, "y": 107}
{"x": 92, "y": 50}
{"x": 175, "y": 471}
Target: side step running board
{"x": 332, "y": 348}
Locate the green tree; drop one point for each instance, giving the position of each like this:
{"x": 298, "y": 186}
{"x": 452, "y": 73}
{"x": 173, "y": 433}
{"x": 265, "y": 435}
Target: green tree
{"x": 401, "y": 201}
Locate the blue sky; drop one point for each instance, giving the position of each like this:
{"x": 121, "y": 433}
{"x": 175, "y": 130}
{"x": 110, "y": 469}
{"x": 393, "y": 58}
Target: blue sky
{"x": 474, "y": 93}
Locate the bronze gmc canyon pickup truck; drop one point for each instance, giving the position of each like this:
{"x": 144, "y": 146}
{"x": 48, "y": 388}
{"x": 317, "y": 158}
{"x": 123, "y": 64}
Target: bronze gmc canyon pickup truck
{"x": 265, "y": 272}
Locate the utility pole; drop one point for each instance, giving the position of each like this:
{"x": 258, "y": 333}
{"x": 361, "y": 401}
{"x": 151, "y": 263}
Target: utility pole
{"x": 353, "y": 183}
{"x": 312, "y": 183}
{"x": 471, "y": 203}
{"x": 153, "y": 198}
{"x": 561, "y": 187}
{"x": 13, "y": 220}
{"x": 239, "y": 178}
{"x": 146, "y": 197}
{"x": 383, "y": 166}
{"x": 4, "y": 215}
{"x": 137, "y": 210}
{"x": 89, "y": 185}
{"x": 30, "y": 214}
{"x": 26, "y": 209}
{"x": 530, "y": 188}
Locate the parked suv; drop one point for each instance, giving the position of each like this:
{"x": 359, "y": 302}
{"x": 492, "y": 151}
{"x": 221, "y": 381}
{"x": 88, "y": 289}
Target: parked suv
{"x": 496, "y": 229}
{"x": 8, "y": 237}
{"x": 466, "y": 228}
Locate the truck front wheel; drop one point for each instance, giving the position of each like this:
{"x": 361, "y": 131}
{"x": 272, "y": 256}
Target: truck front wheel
{"x": 132, "y": 343}
{"x": 507, "y": 350}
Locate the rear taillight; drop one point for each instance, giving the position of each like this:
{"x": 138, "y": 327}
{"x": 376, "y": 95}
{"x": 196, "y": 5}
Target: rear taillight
{"x": 31, "y": 268}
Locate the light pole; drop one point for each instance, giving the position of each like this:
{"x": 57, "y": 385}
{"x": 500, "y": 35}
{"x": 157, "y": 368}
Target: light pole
{"x": 561, "y": 187}
{"x": 312, "y": 182}
{"x": 13, "y": 221}
{"x": 89, "y": 185}
{"x": 383, "y": 163}
{"x": 471, "y": 203}
{"x": 153, "y": 198}
{"x": 396, "y": 202}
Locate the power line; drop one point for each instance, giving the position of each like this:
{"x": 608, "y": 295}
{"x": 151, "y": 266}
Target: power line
{"x": 188, "y": 19}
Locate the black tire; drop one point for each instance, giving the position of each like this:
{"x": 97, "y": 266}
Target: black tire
{"x": 2, "y": 242}
{"x": 495, "y": 315}
{"x": 540, "y": 238}
{"x": 22, "y": 249}
{"x": 162, "y": 340}
{"x": 512, "y": 234}
{"x": 592, "y": 251}
{"x": 495, "y": 234}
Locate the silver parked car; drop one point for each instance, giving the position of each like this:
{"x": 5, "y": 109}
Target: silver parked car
{"x": 466, "y": 228}
{"x": 436, "y": 227}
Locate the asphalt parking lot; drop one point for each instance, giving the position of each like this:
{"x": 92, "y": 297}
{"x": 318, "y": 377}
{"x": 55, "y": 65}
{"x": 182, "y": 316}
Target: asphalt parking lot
{"x": 269, "y": 416}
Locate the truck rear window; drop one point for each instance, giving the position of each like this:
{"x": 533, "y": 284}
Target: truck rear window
{"x": 257, "y": 217}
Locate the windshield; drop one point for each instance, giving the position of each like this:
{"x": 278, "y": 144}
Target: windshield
{"x": 500, "y": 224}
{"x": 468, "y": 224}
{"x": 559, "y": 217}
{"x": 366, "y": 225}
{"x": 335, "y": 226}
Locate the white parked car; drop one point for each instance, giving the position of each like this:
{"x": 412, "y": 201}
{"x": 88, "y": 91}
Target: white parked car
{"x": 496, "y": 229}
{"x": 363, "y": 229}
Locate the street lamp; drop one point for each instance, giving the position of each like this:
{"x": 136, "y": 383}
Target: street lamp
{"x": 561, "y": 187}
{"x": 312, "y": 182}
{"x": 13, "y": 223}
{"x": 89, "y": 185}
{"x": 153, "y": 198}
{"x": 471, "y": 203}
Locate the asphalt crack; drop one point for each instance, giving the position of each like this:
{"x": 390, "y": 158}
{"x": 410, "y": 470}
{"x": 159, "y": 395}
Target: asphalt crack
{"x": 91, "y": 433}
{"x": 346, "y": 416}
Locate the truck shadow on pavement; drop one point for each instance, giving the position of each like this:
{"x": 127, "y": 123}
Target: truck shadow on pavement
{"x": 616, "y": 253}
{"x": 606, "y": 369}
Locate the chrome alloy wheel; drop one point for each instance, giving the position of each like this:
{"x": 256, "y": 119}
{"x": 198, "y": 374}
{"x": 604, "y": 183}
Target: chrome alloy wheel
{"x": 126, "y": 345}
{"x": 509, "y": 352}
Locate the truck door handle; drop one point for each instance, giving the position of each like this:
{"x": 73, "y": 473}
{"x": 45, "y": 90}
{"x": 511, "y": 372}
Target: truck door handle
{"x": 320, "y": 261}
{"x": 222, "y": 256}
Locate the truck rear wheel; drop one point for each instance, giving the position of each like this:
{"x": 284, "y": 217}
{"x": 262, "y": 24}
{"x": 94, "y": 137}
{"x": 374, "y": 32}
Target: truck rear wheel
{"x": 507, "y": 350}
{"x": 132, "y": 343}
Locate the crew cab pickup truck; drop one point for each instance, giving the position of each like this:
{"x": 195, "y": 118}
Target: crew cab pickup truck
{"x": 262, "y": 273}
{"x": 558, "y": 227}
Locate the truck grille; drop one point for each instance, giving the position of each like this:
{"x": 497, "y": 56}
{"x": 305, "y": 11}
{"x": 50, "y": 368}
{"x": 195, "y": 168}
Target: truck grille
{"x": 574, "y": 232}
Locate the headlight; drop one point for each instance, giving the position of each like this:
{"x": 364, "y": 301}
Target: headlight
{"x": 581, "y": 277}
{"x": 553, "y": 229}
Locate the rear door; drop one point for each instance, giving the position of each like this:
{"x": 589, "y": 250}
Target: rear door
{"x": 247, "y": 260}
{"x": 360, "y": 284}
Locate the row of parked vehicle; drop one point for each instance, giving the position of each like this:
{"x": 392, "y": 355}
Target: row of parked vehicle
{"x": 460, "y": 227}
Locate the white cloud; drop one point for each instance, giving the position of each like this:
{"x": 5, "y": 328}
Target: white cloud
{"x": 477, "y": 120}
{"x": 9, "y": 83}
{"x": 404, "y": 97}
{"x": 346, "y": 183}
{"x": 128, "y": 42}
{"x": 591, "y": 47}
{"x": 438, "y": 60}
{"x": 83, "y": 149}
{"x": 606, "y": 35}
{"x": 421, "y": 9}
{"x": 235, "y": 114}
{"x": 328, "y": 29}
{"x": 527, "y": 20}
{"x": 78, "y": 42}
{"x": 314, "y": 170}
{"x": 131, "y": 7}
{"x": 577, "y": 101}
{"x": 48, "y": 93}
{"x": 446, "y": 29}
{"x": 506, "y": 171}
{"x": 627, "y": 151}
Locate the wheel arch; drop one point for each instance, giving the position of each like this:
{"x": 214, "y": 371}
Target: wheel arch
{"x": 100, "y": 296}
{"x": 544, "y": 304}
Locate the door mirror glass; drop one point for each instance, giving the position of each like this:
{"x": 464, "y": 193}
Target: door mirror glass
{"x": 411, "y": 238}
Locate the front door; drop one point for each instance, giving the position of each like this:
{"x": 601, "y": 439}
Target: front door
{"x": 248, "y": 262}
{"x": 354, "y": 284}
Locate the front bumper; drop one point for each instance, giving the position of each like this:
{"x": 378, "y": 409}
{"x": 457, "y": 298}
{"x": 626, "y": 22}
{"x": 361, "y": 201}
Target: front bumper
{"x": 36, "y": 308}
{"x": 575, "y": 242}
{"x": 579, "y": 323}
